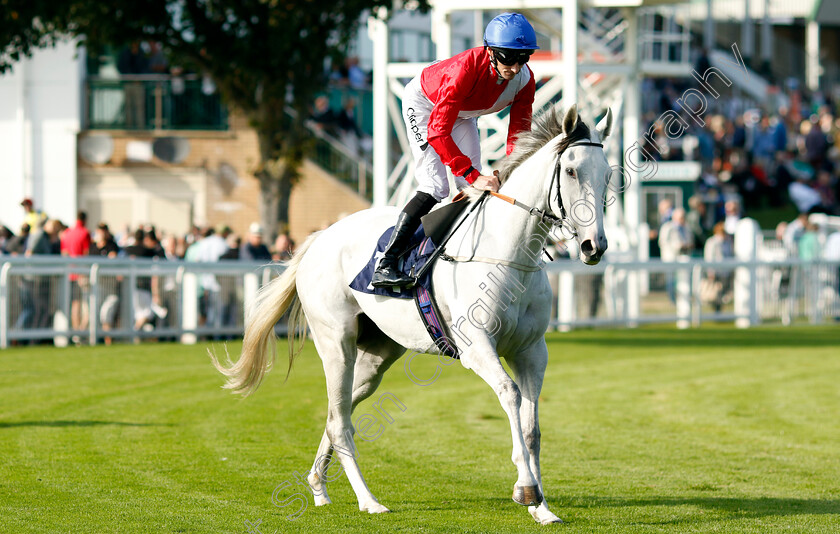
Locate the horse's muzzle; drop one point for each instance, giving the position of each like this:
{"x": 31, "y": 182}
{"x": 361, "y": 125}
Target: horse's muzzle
{"x": 591, "y": 252}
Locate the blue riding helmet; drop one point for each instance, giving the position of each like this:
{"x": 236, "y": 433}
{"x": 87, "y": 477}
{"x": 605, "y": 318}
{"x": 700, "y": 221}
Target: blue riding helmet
{"x": 510, "y": 30}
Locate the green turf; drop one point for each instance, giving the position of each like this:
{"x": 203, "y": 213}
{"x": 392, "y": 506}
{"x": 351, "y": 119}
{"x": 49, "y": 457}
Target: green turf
{"x": 649, "y": 430}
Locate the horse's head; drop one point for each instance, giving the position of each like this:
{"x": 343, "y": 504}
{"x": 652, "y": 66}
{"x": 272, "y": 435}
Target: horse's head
{"x": 571, "y": 158}
{"x": 581, "y": 175}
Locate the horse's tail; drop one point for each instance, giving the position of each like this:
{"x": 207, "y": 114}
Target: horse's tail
{"x": 259, "y": 346}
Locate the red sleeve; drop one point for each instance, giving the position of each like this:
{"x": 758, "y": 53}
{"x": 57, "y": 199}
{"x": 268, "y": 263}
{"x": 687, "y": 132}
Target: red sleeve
{"x": 520, "y": 113}
{"x": 86, "y": 246}
{"x": 453, "y": 89}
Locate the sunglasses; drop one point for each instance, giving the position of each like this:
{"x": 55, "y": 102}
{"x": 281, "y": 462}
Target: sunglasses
{"x": 510, "y": 57}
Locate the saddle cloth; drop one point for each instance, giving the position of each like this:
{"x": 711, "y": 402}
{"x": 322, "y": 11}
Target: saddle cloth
{"x": 434, "y": 228}
{"x": 420, "y": 251}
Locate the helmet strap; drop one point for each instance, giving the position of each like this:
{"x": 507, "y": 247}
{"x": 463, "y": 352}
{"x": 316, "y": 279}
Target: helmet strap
{"x": 494, "y": 63}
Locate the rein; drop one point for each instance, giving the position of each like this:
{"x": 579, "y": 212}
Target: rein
{"x": 542, "y": 214}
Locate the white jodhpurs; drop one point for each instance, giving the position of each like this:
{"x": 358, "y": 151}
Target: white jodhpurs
{"x": 429, "y": 170}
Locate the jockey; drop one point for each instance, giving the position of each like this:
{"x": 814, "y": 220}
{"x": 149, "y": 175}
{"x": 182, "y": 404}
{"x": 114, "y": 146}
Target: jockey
{"x": 440, "y": 107}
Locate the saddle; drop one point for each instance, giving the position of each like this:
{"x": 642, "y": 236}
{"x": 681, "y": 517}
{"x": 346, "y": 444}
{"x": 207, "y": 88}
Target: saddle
{"x": 437, "y": 223}
{"x": 417, "y": 262}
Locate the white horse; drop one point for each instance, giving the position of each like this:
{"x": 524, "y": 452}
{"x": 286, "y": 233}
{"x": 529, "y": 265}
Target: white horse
{"x": 495, "y": 296}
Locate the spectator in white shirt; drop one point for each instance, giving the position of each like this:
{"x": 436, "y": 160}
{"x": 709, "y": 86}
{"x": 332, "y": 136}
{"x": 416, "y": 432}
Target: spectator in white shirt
{"x": 674, "y": 237}
{"x": 209, "y": 250}
{"x": 803, "y": 195}
{"x": 675, "y": 240}
{"x": 732, "y": 211}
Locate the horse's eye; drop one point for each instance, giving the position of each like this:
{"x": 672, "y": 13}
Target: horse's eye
{"x": 570, "y": 171}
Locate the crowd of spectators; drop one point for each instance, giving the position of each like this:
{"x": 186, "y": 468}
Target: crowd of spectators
{"x": 154, "y": 295}
{"x": 339, "y": 118}
{"x": 341, "y": 124}
{"x": 767, "y": 157}
{"x": 752, "y": 158}
{"x": 40, "y": 235}
{"x": 348, "y": 74}
{"x": 779, "y": 156}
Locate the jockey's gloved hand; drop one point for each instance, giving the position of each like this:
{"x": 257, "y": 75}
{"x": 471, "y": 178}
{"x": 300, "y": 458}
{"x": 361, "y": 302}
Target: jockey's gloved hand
{"x": 487, "y": 183}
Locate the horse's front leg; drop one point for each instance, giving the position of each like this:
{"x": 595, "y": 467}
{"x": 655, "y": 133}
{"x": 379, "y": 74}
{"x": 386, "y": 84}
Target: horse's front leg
{"x": 486, "y": 364}
{"x": 529, "y": 369}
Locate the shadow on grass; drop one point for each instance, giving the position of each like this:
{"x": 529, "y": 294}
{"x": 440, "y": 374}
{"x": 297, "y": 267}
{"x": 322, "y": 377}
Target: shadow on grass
{"x": 739, "y": 506}
{"x": 60, "y": 424}
{"x": 706, "y": 337}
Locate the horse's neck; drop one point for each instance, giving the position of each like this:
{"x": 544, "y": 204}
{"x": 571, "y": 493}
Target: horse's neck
{"x": 508, "y": 232}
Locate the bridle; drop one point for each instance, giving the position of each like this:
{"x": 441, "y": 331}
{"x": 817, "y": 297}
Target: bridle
{"x": 544, "y": 215}
{"x": 556, "y": 179}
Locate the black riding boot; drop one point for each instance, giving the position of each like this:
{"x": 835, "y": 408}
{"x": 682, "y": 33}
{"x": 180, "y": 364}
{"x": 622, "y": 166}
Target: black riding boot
{"x": 387, "y": 273}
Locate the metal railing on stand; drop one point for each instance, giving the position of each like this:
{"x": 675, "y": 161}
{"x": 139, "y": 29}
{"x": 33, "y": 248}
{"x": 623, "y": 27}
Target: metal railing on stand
{"x": 154, "y": 102}
{"x": 338, "y": 159}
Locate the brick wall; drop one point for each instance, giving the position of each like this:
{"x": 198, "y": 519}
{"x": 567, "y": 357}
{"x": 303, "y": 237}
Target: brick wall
{"x": 227, "y": 159}
{"x": 320, "y": 200}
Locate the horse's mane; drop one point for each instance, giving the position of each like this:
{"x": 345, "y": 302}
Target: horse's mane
{"x": 544, "y": 128}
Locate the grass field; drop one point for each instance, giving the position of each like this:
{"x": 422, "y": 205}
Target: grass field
{"x": 649, "y": 430}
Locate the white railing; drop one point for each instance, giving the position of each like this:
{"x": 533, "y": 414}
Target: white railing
{"x": 91, "y": 300}
{"x": 749, "y": 292}
{"x": 38, "y": 297}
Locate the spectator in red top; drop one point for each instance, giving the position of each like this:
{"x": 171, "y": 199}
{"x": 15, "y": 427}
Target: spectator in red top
{"x": 75, "y": 242}
{"x": 440, "y": 108}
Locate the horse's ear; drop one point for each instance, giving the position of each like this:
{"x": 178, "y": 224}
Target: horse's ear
{"x": 570, "y": 120}
{"x": 604, "y": 127}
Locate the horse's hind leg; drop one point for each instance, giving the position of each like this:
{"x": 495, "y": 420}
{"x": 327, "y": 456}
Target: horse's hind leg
{"x": 319, "y": 474}
{"x": 374, "y": 355}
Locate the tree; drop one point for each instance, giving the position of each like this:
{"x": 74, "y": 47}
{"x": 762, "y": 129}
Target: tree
{"x": 257, "y": 52}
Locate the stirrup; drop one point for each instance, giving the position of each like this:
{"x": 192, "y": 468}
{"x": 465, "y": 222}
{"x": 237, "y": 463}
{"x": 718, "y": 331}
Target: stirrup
{"x": 390, "y": 277}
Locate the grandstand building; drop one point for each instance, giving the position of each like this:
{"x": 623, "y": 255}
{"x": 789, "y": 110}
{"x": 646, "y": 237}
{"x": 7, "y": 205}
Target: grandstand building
{"x": 162, "y": 148}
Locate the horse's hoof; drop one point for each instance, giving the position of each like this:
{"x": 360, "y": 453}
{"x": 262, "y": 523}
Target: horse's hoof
{"x": 374, "y": 508}
{"x": 322, "y": 500}
{"x": 543, "y": 515}
{"x": 527, "y": 495}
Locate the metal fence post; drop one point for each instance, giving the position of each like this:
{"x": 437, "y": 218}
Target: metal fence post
{"x": 614, "y": 300}
{"x": 189, "y": 308}
{"x": 4, "y": 305}
{"x": 93, "y": 299}
{"x": 643, "y": 255}
{"x": 746, "y": 303}
{"x": 566, "y": 301}
{"x": 133, "y": 296}
{"x": 683, "y": 294}
{"x": 63, "y": 319}
{"x": 814, "y": 301}
{"x": 633, "y": 304}
{"x": 696, "y": 304}
{"x": 251, "y": 285}
{"x": 179, "y": 296}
